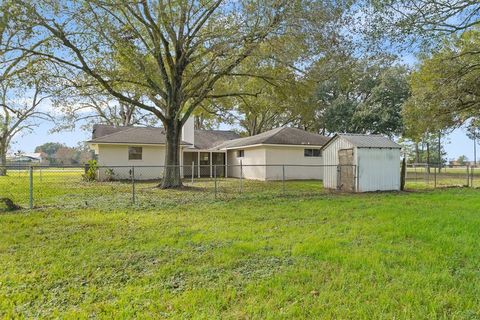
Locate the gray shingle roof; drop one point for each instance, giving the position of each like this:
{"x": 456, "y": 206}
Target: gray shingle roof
{"x": 369, "y": 141}
{"x": 134, "y": 135}
{"x": 283, "y": 136}
{"x": 207, "y": 139}
{"x": 100, "y": 130}
{"x": 204, "y": 139}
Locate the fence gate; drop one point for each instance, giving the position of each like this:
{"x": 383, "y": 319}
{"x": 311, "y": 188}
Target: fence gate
{"x": 346, "y": 170}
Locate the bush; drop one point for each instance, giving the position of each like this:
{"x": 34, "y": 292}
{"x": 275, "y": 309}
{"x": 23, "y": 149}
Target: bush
{"x": 91, "y": 173}
{"x": 109, "y": 174}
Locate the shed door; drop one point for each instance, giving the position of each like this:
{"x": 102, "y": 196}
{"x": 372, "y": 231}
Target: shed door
{"x": 346, "y": 170}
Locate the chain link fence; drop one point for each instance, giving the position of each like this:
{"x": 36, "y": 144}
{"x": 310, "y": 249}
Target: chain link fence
{"x": 423, "y": 175}
{"x": 122, "y": 186}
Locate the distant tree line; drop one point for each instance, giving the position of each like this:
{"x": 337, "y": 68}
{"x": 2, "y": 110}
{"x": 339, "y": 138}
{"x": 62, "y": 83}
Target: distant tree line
{"x": 54, "y": 153}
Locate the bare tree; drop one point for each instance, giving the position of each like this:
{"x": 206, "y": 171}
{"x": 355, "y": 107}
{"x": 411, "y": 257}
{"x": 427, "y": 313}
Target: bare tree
{"x": 92, "y": 108}
{"x": 20, "y": 102}
{"x": 22, "y": 86}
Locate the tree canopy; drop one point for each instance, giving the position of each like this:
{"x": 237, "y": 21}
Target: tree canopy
{"x": 445, "y": 88}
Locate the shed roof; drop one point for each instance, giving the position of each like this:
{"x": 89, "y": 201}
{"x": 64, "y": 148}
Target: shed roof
{"x": 366, "y": 141}
{"x": 281, "y": 136}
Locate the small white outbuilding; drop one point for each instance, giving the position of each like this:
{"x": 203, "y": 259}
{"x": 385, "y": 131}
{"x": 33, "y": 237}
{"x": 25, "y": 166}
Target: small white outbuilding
{"x": 361, "y": 163}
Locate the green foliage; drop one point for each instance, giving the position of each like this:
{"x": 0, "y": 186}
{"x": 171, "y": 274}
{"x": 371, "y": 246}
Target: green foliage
{"x": 49, "y": 148}
{"x": 361, "y": 97}
{"x": 462, "y": 160}
{"x": 425, "y": 150}
{"x": 91, "y": 174}
{"x": 109, "y": 174}
{"x": 59, "y": 154}
{"x": 445, "y": 91}
{"x": 272, "y": 97}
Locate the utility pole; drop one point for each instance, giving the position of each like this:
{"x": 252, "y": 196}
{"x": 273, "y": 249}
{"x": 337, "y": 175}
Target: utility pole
{"x": 475, "y": 148}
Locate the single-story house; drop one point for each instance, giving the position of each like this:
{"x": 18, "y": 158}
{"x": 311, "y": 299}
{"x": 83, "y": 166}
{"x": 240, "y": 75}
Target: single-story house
{"x": 361, "y": 163}
{"x": 34, "y": 158}
{"x": 258, "y": 157}
{"x": 267, "y": 155}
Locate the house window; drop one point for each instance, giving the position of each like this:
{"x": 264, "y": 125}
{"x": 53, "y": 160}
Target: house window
{"x": 240, "y": 153}
{"x": 312, "y": 153}
{"x": 135, "y": 153}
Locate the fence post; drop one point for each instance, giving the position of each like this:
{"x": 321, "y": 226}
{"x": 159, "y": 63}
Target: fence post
{"x": 283, "y": 178}
{"x": 215, "y": 177}
{"x": 133, "y": 184}
{"x": 428, "y": 173}
{"x": 472, "y": 172}
{"x": 31, "y": 187}
{"x": 193, "y": 170}
{"x": 241, "y": 176}
{"x": 468, "y": 175}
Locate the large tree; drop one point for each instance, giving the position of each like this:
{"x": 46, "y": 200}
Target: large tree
{"x": 21, "y": 100}
{"x": 271, "y": 99}
{"x": 173, "y": 52}
{"x": 445, "y": 87}
{"x": 360, "y": 97}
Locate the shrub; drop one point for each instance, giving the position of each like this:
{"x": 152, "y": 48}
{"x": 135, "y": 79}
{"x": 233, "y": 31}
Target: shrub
{"x": 91, "y": 173}
{"x": 109, "y": 174}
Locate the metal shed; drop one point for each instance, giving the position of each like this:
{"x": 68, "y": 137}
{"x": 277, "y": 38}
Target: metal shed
{"x": 361, "y": 163}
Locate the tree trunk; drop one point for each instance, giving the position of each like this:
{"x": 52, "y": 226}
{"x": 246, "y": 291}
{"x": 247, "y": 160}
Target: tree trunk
{"x": 417, "y": 153}
{"x": 171, "y": 177}
{"x": 3, "y": 159}
{"x": 428, "y": 157}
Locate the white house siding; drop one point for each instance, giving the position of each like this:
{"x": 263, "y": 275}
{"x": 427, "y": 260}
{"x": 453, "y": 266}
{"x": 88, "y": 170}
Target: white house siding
{"x": 253, "y": 163}
{"x": 115, "y": 157}
{"x": 301, "y": 167}
{"x": 378, "y": 169}
{"x": 330, "y": 160}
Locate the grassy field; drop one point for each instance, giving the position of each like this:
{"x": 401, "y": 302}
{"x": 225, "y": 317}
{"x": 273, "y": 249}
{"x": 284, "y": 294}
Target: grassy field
{"x": 411, "y": 255}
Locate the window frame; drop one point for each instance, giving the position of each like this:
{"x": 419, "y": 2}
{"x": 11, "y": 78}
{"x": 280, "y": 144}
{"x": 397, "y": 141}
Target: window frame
{"x": 312, "y": 152}
{"x": 130, "y": 148}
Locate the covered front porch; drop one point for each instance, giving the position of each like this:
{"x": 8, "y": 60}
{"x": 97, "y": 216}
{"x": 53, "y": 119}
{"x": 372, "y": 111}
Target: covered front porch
{"x": 203, "y": 163}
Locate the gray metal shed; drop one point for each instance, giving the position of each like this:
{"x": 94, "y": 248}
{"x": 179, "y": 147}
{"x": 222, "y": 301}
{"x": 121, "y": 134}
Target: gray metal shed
{"x": 361, "y": 163}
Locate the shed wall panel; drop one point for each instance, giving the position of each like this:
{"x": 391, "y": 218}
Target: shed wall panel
{"x": 330, "y": 160}
{"x": 378, "y": 169}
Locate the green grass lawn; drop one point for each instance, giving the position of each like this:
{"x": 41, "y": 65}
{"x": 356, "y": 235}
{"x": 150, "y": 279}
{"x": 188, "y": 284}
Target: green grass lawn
{"x": 408, "y": 255}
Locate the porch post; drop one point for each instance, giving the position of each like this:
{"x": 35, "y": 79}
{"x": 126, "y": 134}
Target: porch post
{"x": 211, "y": 160}
{"x": 225, "y": 162}
{"x": 181, "y": 163}
{"x": 198, "y": 163}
